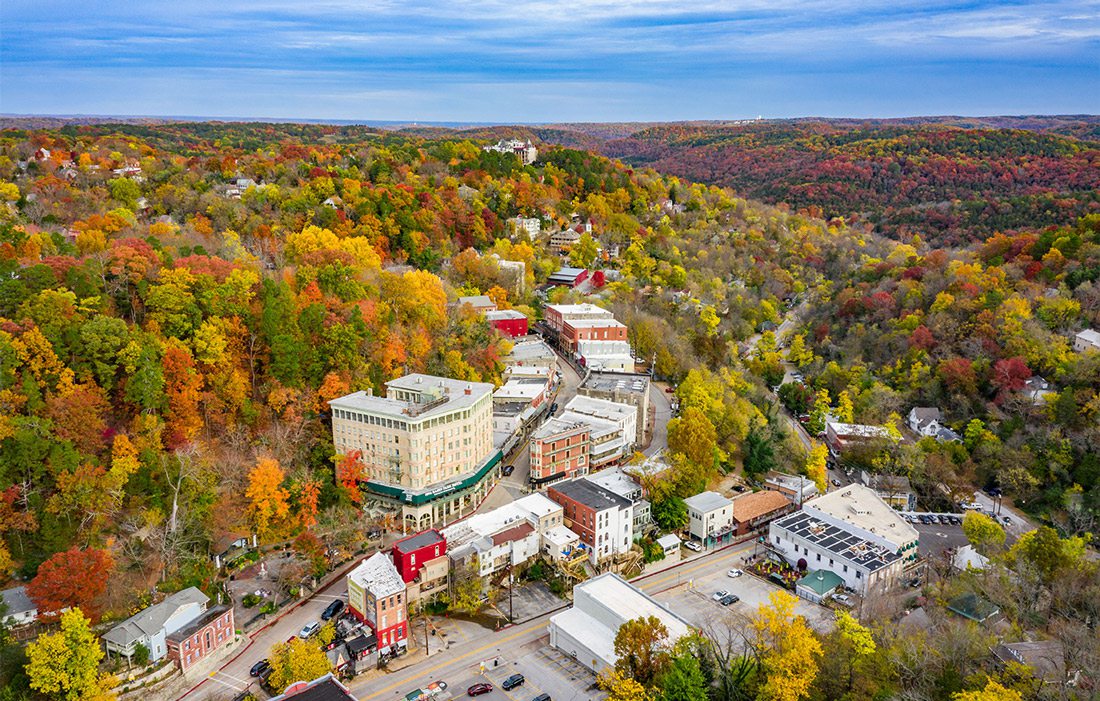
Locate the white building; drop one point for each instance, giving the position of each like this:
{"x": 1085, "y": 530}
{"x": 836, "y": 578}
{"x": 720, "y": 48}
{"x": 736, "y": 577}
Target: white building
{"x": 510, "y": 535}
{"x": 523, "y": 150}
{"x": 532, "y": 226}
{"x": 427, "y": 446}
{"x": 606, "y": 356}
{"x": 1087, "y": 340}
{"x": 710, "y": 518}
{"x": 586, "y": 632}
{"x": 616, "y": 481}
{"x": 928, "y": 421}
{"x": 151, "y": 627}
{"x": 624, "y": 416}
{"x": 19, "y": 610}
{"x": 863, "y": 565}
{"x": 532, "y": 353}
{"x": 869, "y": 515}
{"x": 603, "y": 520}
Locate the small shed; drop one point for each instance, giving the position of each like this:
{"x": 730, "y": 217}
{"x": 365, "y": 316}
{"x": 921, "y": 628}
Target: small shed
{"x": 670, "y": 544}
{"x": 818, "y": 584}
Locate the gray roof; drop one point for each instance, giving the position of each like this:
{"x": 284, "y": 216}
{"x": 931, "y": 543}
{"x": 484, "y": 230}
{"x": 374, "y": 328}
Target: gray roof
{"x": 17, "y": 601}
{"x": 414, "y": 542}
{"x": 150, "y": 620}
{"x": 477, "y": 301}
{"x": 707, "y": 501}
{"x": 589, "y": 494}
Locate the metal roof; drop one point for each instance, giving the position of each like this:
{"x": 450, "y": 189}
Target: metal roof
{"x": 842, "y": 543}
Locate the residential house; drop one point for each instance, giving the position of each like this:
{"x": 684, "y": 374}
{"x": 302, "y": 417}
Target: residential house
{"x": 422, "y": 562}
{"x": 895, "y": 490}
{"x": 201, "y": 637}
{"x": 326, "y": 688}
{"x": 377, "y": 597}
{"x": 755, "y": 510}
{"x": 532, "y": 226}
{"x": 603, "y": 520}
{"x": 927, "y": 421}
{"x": 523, "y": 150}
{"x": 1037, "y": 390}
{"x": 562, "y": 241}
{"x": 1086, "y": 340}
{"x": 710, "y": 518}
{"x": 151, "y": 626}
{"x": 1045, "y": 658}
{"x": 18, "y": 609}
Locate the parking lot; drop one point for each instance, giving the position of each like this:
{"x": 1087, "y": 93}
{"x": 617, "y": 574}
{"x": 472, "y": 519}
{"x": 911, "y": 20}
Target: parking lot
{"x": 545, "y": 670}
{"x": 694, "y": 601}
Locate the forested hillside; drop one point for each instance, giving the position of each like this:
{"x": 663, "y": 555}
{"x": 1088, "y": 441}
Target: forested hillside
{"x": 950, "y": 185}
{"x": 179, "y": 302}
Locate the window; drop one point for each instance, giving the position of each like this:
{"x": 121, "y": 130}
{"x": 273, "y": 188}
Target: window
{"x": 859, "y": 575}
{"x": 845, "y": 568}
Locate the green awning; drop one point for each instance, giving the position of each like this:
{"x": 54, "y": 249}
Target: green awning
{"x": 418, "y": 498}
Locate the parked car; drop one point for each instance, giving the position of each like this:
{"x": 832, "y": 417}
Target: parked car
{"x": 542, "y": 697}
{"x": 670, "y": 390}
{"x": 734, "y": 573}
{"x": 512, "y": 682}
{"x": 309, "y": 630}
{"x": 332, "y": 610}
{"x": 720, "y": 594}
{"x": 507, "y": 470}
{"x": 1006, "y": 520}
{"x": 693, "y": 546}
{"x": 729, "y": 599}
{"x": 374, "y": 534}
{"x": 553, "y": 407}
{"x": 836, "y": 482}
{"x": 259, "y": 668}
{"x": 843, "y": 599}
{"x": 479, "y": 689}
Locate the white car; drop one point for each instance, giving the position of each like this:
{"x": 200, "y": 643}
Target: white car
{"x": 720, "y": 594}
{"x": 843, "y": 599}
{"x": 309, "y": 630}
{"x": 693, "y": 546}
{"x": 734, "y": 573}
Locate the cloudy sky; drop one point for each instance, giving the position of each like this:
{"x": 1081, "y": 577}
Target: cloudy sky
{"x": 547, "y": 60}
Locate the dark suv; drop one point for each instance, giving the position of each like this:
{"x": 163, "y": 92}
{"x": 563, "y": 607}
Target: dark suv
{"x": 332, "y": 610}
{"x": 512, "y": 682}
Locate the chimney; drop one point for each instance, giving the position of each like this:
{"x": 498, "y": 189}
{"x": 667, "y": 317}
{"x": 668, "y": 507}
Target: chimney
{"x": 370, "y": 391}
{"x": 469, "y": 389}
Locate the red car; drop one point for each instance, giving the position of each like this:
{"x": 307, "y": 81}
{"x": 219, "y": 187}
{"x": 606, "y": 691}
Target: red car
{"x": 479, "y": 689}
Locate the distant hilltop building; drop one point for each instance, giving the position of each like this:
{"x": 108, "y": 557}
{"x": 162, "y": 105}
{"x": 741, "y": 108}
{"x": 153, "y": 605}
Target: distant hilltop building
{"x": 524, "y": 150}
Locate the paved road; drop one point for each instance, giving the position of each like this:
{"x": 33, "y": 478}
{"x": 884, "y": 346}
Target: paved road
{"x": 659, "y": 399}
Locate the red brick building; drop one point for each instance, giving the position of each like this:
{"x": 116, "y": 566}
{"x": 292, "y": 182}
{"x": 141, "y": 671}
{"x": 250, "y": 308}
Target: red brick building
{"x": 579, "y": 330}
{"x": 559, "y": 450}
{"x": 508, "y": 321}
{"x": 199, "y": 639}
{"x": 422, "y": 562}
{"x": 555, "y": 315}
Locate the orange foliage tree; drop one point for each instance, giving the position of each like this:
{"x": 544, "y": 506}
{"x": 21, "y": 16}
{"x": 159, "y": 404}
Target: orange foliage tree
{"x": 268, "y": 500}
{"x": 74, "y": 578}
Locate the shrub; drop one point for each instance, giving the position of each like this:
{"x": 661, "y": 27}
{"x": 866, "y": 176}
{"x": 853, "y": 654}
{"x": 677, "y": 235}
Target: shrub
{"x": 141, "y": 655}
{"x": 250, "y": 600}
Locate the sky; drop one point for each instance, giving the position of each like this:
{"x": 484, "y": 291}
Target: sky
{"x": 538, "y": 61}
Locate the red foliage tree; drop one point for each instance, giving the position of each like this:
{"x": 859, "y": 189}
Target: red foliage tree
{"x": 74, "y": 578}
{"x": 922, "y": 338}
{"x": 1009, "y": 375}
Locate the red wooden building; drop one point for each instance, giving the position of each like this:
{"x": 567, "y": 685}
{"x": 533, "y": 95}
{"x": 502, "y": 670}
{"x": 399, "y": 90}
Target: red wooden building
{"x": 508, "y": 321}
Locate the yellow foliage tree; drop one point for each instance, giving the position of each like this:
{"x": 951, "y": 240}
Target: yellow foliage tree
{"x": 65, "y": 665}
{"x": 788, "y": 650}
{"x": 816, "y": 465}
{"x": 269, "y": 501}
{"x": 993, "y": 691}
{"x": 295, "y": 661}
{"x": 620, "y": 687}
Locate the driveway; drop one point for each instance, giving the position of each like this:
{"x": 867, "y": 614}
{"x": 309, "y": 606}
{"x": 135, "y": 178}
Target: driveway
{"x": 660, "y": 400}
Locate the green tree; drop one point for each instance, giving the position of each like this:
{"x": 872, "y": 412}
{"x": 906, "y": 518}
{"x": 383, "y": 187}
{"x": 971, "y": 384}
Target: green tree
{"x": 759, "y": 449}
{"x": 670, "y": 513}
{"x": 65, "y": 665}
{"x": 820, "y": 413}
{"x": 683, "y": 680}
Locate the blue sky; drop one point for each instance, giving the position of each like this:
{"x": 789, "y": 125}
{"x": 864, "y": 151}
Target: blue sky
{"x": 546, "y": 60}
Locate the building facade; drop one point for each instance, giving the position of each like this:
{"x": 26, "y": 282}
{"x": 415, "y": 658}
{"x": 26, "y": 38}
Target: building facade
{"x": 508, "y": 322}
{"x": 559, "y": 450}
{"x": 202, "y": 637}
{"x": 752, "y": 512}
{"x": 1087, "y": 340}
{"x": 426, "y": 447}
{"x": 603, "y": 520}
{"x": 376, "y": 596}
{"x": 421, "y": 560}
{"x": 710, "y": 518}
{"x": 151, "y": 627}
{"x": 624, "y": 388}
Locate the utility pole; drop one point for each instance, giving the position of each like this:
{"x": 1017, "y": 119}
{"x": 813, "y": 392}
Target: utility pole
{"x": 510, "y": 617}
{"x": 424, "y": 615}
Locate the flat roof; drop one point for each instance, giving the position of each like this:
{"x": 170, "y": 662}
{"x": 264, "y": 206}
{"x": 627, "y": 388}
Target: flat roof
{"x": 556, "y": 425}
{"x": 538, "y": 504}
{"x": 707, "y": 501}
{"x": 843, "y": 430}
{"x": 615, "y": 480}
{"x": 378, "y": 575}
{"x": 607, "y": 381}
{"x": 591, "y": 495}
{"x": 450, "y": 393}
{"x": 595, "y": 323}
{"x": 567, "y": 310}
{"x": 840, "y": 542}
{"x": 596, "y": 426}
{"x": 535, "y": 348}
{"x": 609, "y": 599}
{"x": 499, "y": 314}
{"x": 861, "y": 507}
{"x": 601, "y": 408}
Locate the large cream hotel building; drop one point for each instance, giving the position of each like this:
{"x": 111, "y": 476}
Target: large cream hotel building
{"x": 426, "y": 446}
